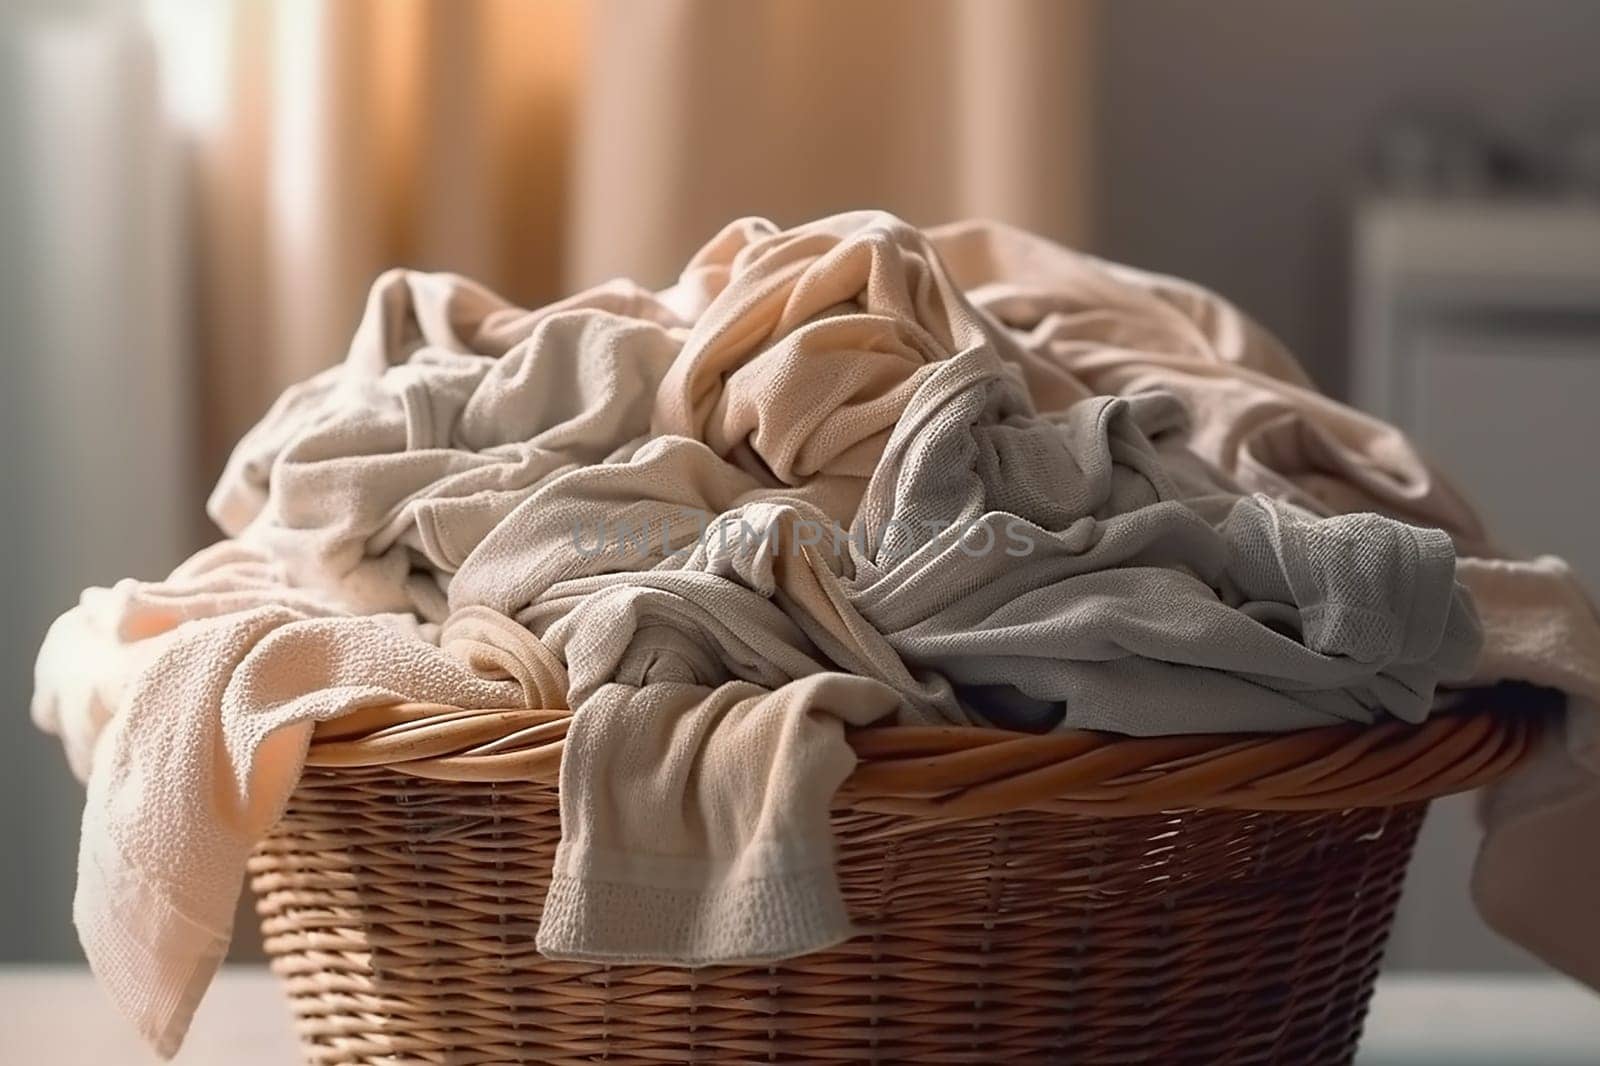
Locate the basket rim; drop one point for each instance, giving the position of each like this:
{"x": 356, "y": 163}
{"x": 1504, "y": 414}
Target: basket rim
{"x": 966, "y": 771}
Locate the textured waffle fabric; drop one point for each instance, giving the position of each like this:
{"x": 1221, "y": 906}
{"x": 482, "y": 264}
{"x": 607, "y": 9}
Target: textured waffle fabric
{"x": 846, "y": 473}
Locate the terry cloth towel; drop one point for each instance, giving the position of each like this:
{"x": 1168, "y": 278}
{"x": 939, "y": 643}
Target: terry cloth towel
{"x": 1537, "y": 870}
{"x": 93, "y": 653}
{"x": 804, "y": 362}
{"x": 456, "y": 468}
{"x": 707, "y": 743}
{"x": 1082, "y": 326}
{"x": 453, "y": 407}
{"x": 450, "y": 409}
{"x": 665, "y": 659}
{"x": 695, "y": 821}
{"x": 1058, "y": 558}
{"x": 204, "y": 724}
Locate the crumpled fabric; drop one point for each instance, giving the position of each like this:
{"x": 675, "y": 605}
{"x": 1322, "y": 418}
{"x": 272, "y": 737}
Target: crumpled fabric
{"x": 726, "y": 521}
{"x": 374, "y": 480}
{"x": 215, "y": 679}
{"x": 1533, "y": 881}
{"x": 1085, "y": 326}
{"x": 747, "y": 876}
{"x": 1122, "y": 602}
{"x": 807, "y": 361}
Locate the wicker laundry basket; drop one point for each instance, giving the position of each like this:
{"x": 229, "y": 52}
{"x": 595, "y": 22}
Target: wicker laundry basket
{"x": 1071, "y": 898}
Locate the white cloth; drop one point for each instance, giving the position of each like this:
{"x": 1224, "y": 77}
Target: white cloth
{"x": 374, "y": 480}
{"x": 695, "y": 821}
{"x": 216, "y": 679}
{"x": 1082, "y": 325}
{"x": 852, "y": 372}
{"x": 1058, "y": 557}
{"x": 94, "y": 652}
{"x": 1537, "y": 870}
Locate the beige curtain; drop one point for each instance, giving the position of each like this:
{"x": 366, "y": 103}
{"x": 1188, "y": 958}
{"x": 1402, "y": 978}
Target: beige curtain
{"x": 697, "y": 111}
{"x": 544, "y": 144}
{"x": 339, "y": 138}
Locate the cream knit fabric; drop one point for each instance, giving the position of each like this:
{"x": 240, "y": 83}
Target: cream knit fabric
{"x": 747, "y": 874}
{"x": 1122, "y": 601}
{"x": 374, "y": 480}
{"x": 1537, "y": 871}
{"x": 216, "y": 678}
{"x": 723, "y": 522}
{"x": 1087, "y": 326}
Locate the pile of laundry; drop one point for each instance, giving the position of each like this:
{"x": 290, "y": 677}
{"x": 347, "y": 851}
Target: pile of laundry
{"x": 842, "y": 474}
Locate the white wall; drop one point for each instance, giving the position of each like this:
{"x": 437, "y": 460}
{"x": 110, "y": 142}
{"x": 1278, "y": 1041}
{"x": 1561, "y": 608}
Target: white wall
{"x": 94, "y": 402}
{"x": 1231, "y": 130}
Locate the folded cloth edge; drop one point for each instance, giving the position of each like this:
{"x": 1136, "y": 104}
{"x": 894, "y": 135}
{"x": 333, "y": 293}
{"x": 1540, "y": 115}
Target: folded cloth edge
{"x": 591, "y": 919}
{"x": 158, "y": 991}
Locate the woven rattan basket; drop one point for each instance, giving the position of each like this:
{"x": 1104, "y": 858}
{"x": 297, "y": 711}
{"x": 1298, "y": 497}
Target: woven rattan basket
{"x": 1070, "y": 898}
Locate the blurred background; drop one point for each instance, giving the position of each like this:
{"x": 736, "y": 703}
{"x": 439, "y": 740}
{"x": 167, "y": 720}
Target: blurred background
{"x": 195, "y": 195}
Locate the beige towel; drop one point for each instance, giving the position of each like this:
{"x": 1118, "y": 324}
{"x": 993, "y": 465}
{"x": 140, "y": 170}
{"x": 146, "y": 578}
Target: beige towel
{"x": 447, "y": 468}
{"x": 808, "y": 356}
{"x": 450, "y": 409}
{"x": 1058, "y": 558}
{"x": 621, "y": 517}
{"x": 1084, "y": 324}
{"x": 93, "y": 653}
{"x": 1538, "y": 869}
{"x": 707, "y": 744}
{"x": 721, "y": 851}
{"x": 202, "y": 746}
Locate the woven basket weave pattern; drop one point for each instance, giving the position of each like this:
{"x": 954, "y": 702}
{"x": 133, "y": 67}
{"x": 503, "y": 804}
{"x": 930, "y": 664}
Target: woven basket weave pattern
{"x": 402, "y": 914}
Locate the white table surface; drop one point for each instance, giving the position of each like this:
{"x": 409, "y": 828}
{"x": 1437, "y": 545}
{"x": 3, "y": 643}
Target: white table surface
{"x": 55, "y": 1016}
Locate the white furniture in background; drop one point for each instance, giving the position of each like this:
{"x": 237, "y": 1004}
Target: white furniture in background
{"x": 1477, "y": 330}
